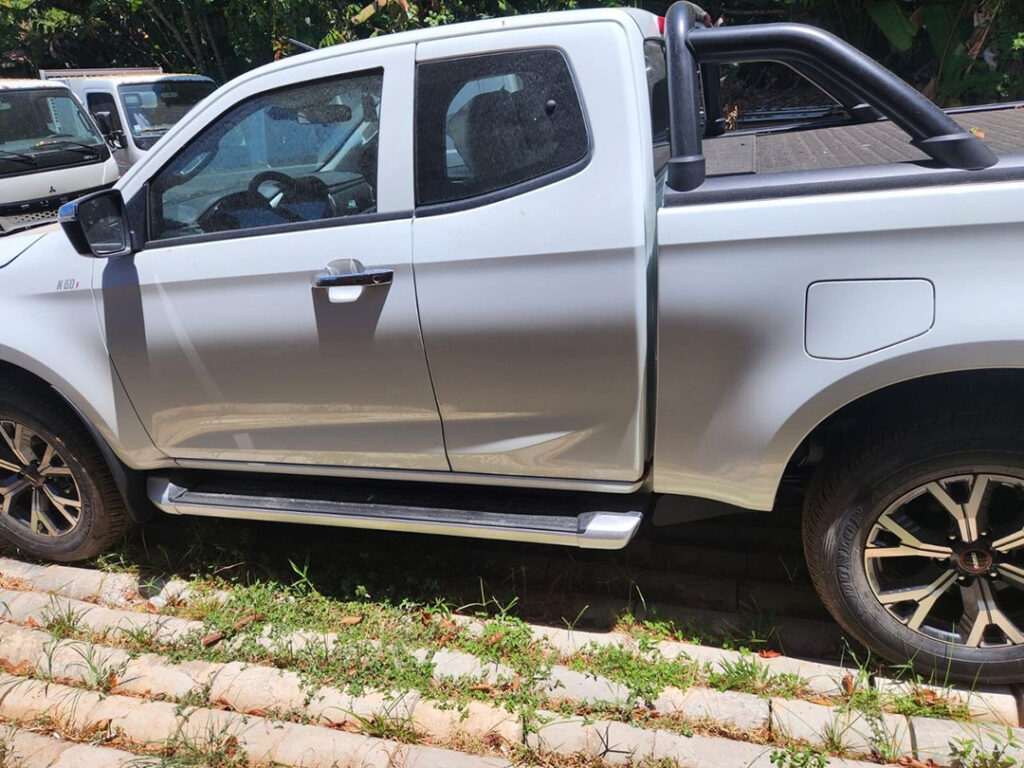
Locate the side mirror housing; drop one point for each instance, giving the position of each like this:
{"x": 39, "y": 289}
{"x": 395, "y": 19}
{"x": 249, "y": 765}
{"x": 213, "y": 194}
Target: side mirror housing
{"x": 97, "y": 225}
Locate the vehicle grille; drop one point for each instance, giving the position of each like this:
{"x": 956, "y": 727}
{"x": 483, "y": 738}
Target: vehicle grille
{"x": 21, "y": 219}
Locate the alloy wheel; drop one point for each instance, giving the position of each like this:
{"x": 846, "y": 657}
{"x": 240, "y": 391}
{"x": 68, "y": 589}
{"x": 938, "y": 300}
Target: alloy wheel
{"x": 37, "y": 489}
{"x": 946, "y": 559}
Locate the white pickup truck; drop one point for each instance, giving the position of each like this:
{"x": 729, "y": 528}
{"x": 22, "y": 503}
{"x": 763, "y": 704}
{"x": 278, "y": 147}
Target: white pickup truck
{"x": 514, "y": 279}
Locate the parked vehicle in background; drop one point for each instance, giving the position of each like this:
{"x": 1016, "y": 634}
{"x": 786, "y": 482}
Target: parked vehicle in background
{"x": 134, "y": 107}
{"x": 465, "y": 280}
{"x": 50, "y": 152}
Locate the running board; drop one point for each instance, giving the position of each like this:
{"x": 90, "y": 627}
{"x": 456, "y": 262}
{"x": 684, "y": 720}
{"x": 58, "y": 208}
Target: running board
{"x": 592, "y": 529}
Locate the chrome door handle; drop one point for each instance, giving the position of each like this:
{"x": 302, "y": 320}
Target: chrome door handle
{"x": 366, "y": 277}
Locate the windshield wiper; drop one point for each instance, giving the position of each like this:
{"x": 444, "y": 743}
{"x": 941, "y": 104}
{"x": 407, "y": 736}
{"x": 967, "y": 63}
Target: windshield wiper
{"x": 73, "y": 145}
{"x": 19, "y": 156}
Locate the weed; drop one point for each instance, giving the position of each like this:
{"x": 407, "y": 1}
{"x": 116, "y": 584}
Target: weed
{"x": 381, "y": 725}
{"x": 5, "y": 752}
{"x": 798, "y": 757}
{"x": 747, "y": 675}
{"x": 217, "y": 749}
{"x": 62, "y": 623}
{"x": 100, "y": 676}
{"x": 967, "y": 753}
{"x": 645, "y": 676}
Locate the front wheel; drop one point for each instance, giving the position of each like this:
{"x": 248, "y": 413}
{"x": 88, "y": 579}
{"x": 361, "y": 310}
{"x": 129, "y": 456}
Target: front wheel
{"x": 915, "y": 543}
{"x": 58, "y": 500}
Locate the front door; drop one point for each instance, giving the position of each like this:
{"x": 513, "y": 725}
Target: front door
{"x": 271, "y": 316}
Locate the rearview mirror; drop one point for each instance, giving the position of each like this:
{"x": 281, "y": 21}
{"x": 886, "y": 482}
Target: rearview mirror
{"x": 97, "y": 225}
{"x": 312, "y": 114}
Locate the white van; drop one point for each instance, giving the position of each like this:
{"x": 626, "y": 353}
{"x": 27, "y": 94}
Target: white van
{"x": 50, "y": 152}
{"x": 134, "y": 107}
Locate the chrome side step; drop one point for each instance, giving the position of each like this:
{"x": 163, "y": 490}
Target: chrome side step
{"x": 596, "y": 529}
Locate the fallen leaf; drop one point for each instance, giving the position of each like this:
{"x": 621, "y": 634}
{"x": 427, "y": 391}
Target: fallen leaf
{"x": 22, "y": 669}
{"x": 769, "y": 654}
{"x": 212, "y": 639}
{"x": 822, "y": 702}
{"x": 848, "y": 684}
{"x": 978, "y": 132}
{"x": 98, "y": 727}
{"x": 495, "y": 638}
{"x": 32, "y": 622}
{"x": 350, "y": 620}
{"x": 486, "y": 687}
{"x": 516, "y": 683}
{"x": 249, "y": 620}
{"x": 909, "y": 762}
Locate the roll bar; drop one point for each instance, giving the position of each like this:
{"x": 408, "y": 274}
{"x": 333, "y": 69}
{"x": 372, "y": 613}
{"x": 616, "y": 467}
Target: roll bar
{"x": 864, "y": 87}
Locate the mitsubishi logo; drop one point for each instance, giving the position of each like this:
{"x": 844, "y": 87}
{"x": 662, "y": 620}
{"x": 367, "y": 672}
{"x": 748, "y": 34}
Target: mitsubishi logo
{"x": 52, "y": 189}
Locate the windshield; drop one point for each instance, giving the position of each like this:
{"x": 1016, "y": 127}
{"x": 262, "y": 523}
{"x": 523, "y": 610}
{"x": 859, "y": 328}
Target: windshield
{"x": 152, "y": 108}
{"x": 43, "y": 120}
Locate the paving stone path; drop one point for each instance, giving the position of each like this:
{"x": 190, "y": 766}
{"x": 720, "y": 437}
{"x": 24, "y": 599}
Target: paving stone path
{"x": 90, "y": 702}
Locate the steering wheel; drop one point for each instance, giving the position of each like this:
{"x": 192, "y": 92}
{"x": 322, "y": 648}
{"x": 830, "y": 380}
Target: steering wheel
{"x": 293, "y": 200}
{"x": 283, "y": 184}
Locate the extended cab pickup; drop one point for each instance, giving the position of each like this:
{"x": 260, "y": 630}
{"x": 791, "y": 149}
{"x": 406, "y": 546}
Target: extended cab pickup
{"x": 515, "y": 279}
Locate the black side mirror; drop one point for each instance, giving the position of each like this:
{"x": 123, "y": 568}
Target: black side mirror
{"x": 97, "y": 225}
{"x": 106, "y": 123}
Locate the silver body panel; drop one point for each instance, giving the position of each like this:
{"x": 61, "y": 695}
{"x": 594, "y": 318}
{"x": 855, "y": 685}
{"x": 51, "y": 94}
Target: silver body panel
{"x": 737, "y": 390}
{"x": 534, "y": 310}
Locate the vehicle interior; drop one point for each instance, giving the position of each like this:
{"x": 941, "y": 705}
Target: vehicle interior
{"x": 280, "y": 159}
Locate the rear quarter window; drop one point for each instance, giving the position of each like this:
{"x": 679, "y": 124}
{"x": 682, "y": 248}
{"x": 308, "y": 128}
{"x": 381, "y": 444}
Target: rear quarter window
{"x": 487, "y": 123}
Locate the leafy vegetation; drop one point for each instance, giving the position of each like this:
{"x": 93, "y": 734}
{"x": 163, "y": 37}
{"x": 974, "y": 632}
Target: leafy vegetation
{"x": 968, "y": 753}
{"x": 747, "y": 675}
{"x": 798, "y": 757}
{"x": 955, "y": 51}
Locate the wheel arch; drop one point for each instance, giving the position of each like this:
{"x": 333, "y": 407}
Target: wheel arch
{"x": 130, "y": 482}
{"x": 980, "y": 390}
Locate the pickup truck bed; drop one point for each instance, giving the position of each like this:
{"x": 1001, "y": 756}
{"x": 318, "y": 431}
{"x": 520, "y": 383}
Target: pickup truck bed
{"x": 846, "y": 146}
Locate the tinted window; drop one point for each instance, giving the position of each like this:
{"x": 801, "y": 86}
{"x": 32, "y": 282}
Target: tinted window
{"x": 152, "y": 108}
{"x": 297, "y": 154}
{"x": 484, "y": 123}
{"x": 103, "y": 102}
{"x": 45, "y": 128}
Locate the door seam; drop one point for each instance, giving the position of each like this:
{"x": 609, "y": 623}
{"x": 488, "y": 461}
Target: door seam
{"x": 423, "y": 340}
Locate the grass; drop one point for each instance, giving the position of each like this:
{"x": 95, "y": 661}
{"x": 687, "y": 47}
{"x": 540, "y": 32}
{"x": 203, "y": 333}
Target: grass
{"x": 61, "y": 622}
{"x": 214, "y": 750}
{"x": 646, "y": 676}
{"x": 748, "y": 675}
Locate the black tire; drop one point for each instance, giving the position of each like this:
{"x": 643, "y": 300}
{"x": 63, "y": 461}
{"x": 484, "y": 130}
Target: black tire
{"x": 907, "y": 479}
{"x": 75, "y": 469}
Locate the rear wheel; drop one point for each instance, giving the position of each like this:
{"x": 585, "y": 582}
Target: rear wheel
{"x": 915, "y": 543}
{"x": 58, "y": 500}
